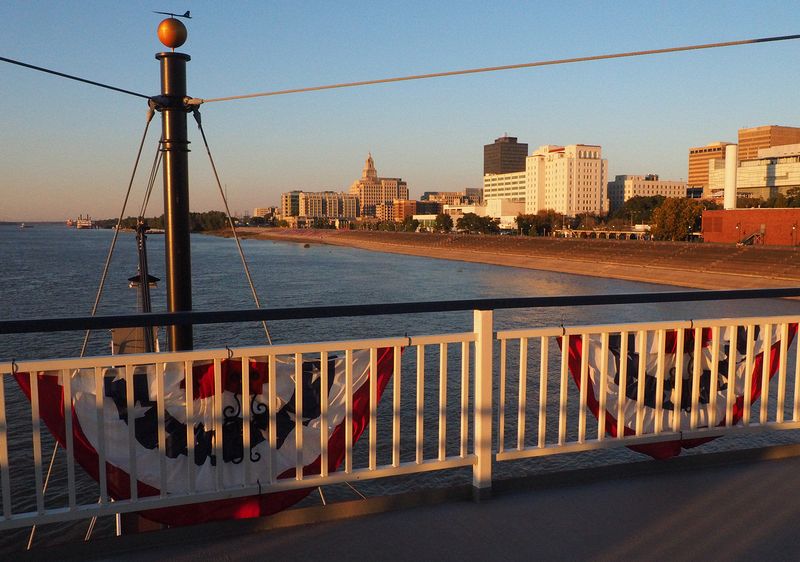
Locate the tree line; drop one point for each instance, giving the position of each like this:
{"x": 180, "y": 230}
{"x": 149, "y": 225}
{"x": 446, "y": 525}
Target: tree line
{"x": 198, "y": 222}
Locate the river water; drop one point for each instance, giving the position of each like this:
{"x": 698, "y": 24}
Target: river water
{"x": 51, "y": 271}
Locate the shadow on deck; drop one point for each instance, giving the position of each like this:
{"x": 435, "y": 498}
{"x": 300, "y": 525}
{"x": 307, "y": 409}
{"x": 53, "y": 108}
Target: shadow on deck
{"x": 732, "y": 505}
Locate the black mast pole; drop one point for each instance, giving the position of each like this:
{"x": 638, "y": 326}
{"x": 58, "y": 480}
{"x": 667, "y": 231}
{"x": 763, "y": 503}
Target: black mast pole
{"x": 175, "y": 146}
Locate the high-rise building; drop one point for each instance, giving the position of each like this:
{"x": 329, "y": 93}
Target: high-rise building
{"x": 504, "y": 156}
{"x": 312, "y": 205}
{"x": 626, "y": 187}
{"x": 290, "y": 204}
{"x": 775, "y": 170}
{"x": 699, "y": 157}
{"x": 372, "y": 190}
{"x": 570, "y": 180}
{"x": 384, "y": 212}
{"x": 320, "y": 204}
{"x": 403, "y": 208}
{"x": 509, "y": 186}
{"x": 766, "y": 136}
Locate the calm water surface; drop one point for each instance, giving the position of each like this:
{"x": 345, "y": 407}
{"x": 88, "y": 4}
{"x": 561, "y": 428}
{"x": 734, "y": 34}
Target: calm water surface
{"x": 53, "y": 271}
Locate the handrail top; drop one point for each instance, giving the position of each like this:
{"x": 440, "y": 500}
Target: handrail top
{"x": 63, "y": 324}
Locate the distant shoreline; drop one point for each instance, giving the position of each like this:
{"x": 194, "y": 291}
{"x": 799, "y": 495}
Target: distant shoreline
{"x": 700, "y": 266}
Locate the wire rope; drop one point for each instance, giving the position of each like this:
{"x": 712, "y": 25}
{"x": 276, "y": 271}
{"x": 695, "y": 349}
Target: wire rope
{"x": 199, "y": 121}
{"x": 152, "y": 179}
{"x": 150, "y": 113}
{"x": 98, "y": 296}
{"x": 198, "y": 101}
{"x": 71, "y": 77}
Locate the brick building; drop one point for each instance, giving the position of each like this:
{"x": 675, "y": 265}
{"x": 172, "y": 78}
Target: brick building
{"x": 771, "y": 227}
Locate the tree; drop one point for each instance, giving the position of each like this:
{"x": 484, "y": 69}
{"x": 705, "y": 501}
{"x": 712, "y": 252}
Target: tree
{"x": 474, "y": 224}
{"x": 676, "y": 218}
{"x": 443, "y": 223}
{"x": 639, "y": 209}
{"x": 541, "y": 224}
{"x": 793, "y": 197}
{"x": 410, "y": 224}
{"x": 526, "y": 223}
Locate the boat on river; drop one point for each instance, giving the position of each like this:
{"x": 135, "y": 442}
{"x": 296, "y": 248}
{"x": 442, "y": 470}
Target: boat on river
{"x": 84, "y": 223}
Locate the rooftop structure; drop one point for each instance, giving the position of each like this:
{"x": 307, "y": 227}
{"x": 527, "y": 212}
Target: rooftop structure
{"x": 505, "y": 155}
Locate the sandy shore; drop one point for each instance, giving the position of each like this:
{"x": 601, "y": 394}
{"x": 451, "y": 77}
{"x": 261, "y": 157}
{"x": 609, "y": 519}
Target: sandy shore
{"x": 703, "y": 266}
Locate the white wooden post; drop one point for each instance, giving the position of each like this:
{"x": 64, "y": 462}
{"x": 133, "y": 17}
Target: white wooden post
{"x": 482, "y": 470}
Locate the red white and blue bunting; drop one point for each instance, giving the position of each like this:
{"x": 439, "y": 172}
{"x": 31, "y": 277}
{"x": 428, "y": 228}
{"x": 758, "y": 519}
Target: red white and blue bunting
{"x": 148, "y": 458}
{"x": 669, "y": 398}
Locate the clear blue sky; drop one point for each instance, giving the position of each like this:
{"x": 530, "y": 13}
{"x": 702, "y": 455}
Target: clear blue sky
{"x": 68, "y": 148}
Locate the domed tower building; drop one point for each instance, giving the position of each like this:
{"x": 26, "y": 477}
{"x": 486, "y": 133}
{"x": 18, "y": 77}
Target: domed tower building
{"x": 372, "y": 190}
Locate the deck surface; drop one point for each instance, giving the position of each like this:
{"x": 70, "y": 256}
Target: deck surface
{"x": 744, "y": 511}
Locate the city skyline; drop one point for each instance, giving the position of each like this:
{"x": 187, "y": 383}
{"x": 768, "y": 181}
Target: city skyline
{"x": 69, "y": 147}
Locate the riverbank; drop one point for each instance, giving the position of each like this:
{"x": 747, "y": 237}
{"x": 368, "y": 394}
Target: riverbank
{"x": 701, "y": 266}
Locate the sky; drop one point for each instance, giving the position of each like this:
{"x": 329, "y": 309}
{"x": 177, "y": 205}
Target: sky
{"x": 69, "y": 148}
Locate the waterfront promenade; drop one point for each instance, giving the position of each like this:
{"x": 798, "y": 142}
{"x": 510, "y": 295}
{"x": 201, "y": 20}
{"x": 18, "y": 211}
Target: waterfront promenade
{"x": 724, "y": 506}
{"x": 696, "y": 265}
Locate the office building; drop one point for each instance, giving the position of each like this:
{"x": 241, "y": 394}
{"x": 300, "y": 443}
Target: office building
{"x": 570, "y": 180}
{"x": 699, "y": 157}
{"x": 469, "y": 195}
{"x": 505, "y": 155}
{"x": 628, "y": 186}
{"x": 774, "y": 171}
{"x": 372, "y": 190}
{"x": 753, "y": 139}
{"x": 290, "y": 204}
{"x": 504, "y": 186}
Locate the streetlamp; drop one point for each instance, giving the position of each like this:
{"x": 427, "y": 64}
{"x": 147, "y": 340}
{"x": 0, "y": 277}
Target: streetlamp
{"x": 794, "y": 235}
{"x": 738, "y": 234}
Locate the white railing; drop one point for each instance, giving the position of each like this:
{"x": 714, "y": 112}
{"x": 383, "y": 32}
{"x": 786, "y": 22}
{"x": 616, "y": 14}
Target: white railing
{"x": 553, "y": 414}
{"x": 194, "y": 439}
{"x": 180, "y": 391}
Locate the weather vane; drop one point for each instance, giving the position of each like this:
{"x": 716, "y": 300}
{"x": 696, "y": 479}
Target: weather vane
{"x": 171, "y": 32}
{"x": 170, "y": 14}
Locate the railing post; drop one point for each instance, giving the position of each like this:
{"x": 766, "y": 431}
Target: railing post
{"x": 482, "y": 470}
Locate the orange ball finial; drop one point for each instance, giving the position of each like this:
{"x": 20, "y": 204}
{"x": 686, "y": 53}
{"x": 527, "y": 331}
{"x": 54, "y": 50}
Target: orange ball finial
{"x": 172, "y": 33}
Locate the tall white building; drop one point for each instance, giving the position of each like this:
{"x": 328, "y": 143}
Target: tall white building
{"x": 509, "y": 186}
{"x": 567, "y": 179}
{"x": 626, "y": 187}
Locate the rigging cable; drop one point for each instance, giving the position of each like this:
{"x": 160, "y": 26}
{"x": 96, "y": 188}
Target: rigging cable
{"x": 76, "y": 78}
{"x": 152, "y": 179}
{"x": 150, "y": 113}
{"x": 199, "y": 120}
{"x": 145, "y": 200}
{"x": 198, "y": 101}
